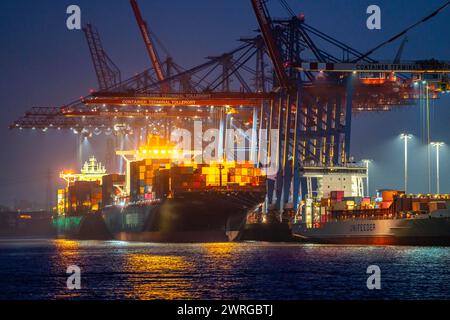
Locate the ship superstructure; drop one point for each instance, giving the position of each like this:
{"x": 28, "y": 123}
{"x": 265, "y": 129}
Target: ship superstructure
{"x": 83, "y": 192}
{"x": 322, "y": 180}
{"x": 92, "y": 170}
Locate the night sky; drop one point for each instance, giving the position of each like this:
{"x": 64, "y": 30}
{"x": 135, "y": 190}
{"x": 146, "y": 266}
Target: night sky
{"x": 44, "y": 64}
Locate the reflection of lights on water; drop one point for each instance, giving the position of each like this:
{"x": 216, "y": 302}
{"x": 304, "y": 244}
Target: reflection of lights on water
{"x": 220, "y": 250}
{"x": 116, "y": 243}
{"x": 158, "y": 276}
{"x": 67, "y": 252}
{"x": 67, "y": 244}
{"x": 157, "y": 263}
{"x": 67, "y": 248}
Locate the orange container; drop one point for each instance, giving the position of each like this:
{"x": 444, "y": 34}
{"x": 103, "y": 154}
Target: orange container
{"x": 388, "y": 195}
{"x": 385, "y": 204}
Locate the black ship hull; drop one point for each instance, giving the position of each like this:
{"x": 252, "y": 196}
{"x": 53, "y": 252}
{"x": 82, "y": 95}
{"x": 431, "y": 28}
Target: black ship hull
{"x": 90, "y": 226}
{"x": 210, "y": 216}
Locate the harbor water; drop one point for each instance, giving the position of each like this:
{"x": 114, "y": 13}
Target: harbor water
{"x": 36, "y": 269}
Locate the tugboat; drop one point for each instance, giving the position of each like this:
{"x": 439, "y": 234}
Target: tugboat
{"x": 268, "y": 227}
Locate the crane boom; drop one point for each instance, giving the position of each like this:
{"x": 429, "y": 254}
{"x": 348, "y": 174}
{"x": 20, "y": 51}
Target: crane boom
{"x": 265, "y": 25}
{"x": 148, "y": 41}
{"x": 108, "y": 74}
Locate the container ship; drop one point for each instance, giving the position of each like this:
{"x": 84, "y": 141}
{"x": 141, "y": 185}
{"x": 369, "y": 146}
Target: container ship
{"x": 79, "y": 204}
{"x": 164, "y": 196}
{"x": 393, "y": 218}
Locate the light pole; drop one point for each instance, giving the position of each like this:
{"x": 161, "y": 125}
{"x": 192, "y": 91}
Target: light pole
{"x": 366, "y": 161}
{"x": 428, "y": 135}
{"x": 437, "y": 145}
{"x": 405, "y": 137}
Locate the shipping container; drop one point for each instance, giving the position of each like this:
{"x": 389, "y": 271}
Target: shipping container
{"x": 337, "y": 195}
{"x": 84, "y": 197}
{"x": 108, "y": 189}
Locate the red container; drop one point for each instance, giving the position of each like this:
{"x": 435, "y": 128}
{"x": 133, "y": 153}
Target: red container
{"x": 148, "y": 196}
{"x": 198, "y": 185}
{"x": 385, "y": 204}
{"x": 337, "y": 195}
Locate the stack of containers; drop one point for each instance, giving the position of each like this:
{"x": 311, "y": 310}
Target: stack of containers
{"x": 420, "y": 205}
{"x": 403, "y": 204}
{"x": 366, "y": 203}
{"x": 199, "y": 180}
{"x": 61, "y": 206}
{"x": 142, "y": 174}
{"x": 182, "y": 177}
{"x": 245, "y": 174}
{"x": 337, "y": 195}
{"x": 388, "y": 198}
{"x": 84, "y": 197}
{"x": 325, "y": 202}
{"x": 215, "y": 175}
{"x": 337, "y": 202}
{"x": 135, "y": 179}
{"x": 161, "y": 186}
{"x": 190, "y": 176}
{"x": 108, "y": 190}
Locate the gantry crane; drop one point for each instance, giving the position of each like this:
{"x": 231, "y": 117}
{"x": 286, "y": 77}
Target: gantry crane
{"x": 318, "y": 121}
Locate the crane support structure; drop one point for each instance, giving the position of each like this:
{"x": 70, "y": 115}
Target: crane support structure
{"x": 289, "y": 97}
{"x": 149, "y": 45}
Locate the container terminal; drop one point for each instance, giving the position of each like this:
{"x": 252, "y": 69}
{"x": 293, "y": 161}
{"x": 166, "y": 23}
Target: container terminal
{"x": 283, "y": 99}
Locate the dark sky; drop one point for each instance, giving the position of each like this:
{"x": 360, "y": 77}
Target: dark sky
{"x": 44, "y": 64}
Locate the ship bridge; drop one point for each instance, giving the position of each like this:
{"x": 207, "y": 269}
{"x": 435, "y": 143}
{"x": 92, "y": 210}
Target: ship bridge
{"x": 319, "y": 181}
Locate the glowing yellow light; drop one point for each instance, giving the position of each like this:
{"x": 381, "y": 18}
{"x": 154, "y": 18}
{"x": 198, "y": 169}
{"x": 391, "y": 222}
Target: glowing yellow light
{"x": 156, "y": 151}
{"x": 163, "y": 151}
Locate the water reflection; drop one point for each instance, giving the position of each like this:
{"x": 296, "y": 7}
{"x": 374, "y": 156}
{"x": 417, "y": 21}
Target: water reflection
{"x": 158, "y": 277}
{"x": 67, "y": 246}
{"x": 123, "y": 270}
{"x": 219, "y": 251}
{"x": 67, "y": 254}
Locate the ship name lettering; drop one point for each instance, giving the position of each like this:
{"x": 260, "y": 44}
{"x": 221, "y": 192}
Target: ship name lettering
{"x": 362, "y": 227}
